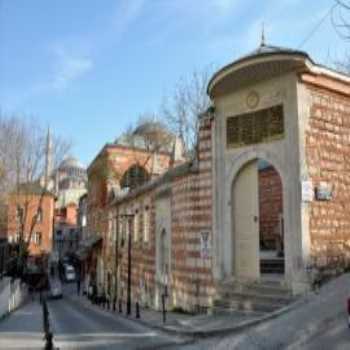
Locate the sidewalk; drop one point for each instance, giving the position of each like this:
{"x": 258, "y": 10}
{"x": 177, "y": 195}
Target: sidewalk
{"x": 23, "y": 328}
{"x": 200, "y": 326}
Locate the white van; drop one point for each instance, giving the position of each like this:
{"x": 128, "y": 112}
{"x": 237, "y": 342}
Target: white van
{"x": 69, "y": 273}
{"x": 55, "y": 288}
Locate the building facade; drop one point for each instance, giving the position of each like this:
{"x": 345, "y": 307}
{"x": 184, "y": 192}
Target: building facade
{"x": 31, "y": 212}
{"x": 270, "y": 181}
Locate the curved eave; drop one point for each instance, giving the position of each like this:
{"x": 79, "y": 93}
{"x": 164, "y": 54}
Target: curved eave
{"x": 251, "y": 69}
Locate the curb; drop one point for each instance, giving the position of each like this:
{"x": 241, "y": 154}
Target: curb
{"x": 198, "y": 334}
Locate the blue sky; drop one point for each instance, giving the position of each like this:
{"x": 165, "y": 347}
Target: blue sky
{"x": 89, "y": 68}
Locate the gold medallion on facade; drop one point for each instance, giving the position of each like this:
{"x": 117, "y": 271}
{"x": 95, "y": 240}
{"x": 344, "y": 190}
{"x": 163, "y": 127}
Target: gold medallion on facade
{"x": 252, "y": 99}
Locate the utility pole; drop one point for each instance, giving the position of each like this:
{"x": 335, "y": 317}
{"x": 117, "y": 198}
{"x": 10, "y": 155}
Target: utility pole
{"x": 116, "y": 296}
{"x": 128, "y": 305}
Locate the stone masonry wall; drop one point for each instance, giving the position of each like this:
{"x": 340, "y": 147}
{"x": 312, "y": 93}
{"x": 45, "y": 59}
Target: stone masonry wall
{"x": 270, "y": 206}
{"x": 328, "y": 160}
{"x": 190, "y": 282}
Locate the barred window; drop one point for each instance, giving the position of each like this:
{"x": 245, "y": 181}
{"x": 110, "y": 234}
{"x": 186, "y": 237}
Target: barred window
{"x": 39, "y": 217}
{"x": 135, "y": 176}
{"x": 37, "y": 238}
{"x": 136, "y": 227}
{"x": 146, "y": 226}
{"x": 255, "y": 127}
{"x": 164, "y": 253}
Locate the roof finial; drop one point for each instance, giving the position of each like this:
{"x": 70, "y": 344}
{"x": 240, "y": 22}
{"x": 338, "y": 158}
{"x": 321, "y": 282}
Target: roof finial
{"x": 262, "y": 43}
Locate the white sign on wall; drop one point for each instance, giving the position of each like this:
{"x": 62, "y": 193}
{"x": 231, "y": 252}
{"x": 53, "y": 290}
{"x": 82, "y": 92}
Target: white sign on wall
{"x": 307, "y": 191}
{"x": 205, "y": 245}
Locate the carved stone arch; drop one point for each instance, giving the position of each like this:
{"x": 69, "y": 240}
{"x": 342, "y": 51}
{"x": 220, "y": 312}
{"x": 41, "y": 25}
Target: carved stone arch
{"x": 248, "y": 156}
{"x": 233, "y": 173}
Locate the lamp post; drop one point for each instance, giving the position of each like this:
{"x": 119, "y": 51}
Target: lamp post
{"x": 164, "y": 296}
{"x": 129, "y": 218}
{"x": 116, "y": 262}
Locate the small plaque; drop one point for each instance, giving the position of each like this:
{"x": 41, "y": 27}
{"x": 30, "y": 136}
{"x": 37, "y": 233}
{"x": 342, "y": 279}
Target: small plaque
{"x": 324, "y": 192}
{"x": 205, "y": 245}
{"x": 307, "y": 191}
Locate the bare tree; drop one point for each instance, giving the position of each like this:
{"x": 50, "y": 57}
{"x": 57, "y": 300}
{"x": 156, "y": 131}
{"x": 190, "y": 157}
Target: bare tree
{"x": 22, "y": 164}
{"x": 182, "y": 108}
{"x": 341, "y": 18}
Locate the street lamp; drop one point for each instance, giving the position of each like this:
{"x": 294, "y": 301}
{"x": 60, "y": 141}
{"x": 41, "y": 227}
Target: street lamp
{"x": 129, "y": 218}
{"x": 164, "y": 296}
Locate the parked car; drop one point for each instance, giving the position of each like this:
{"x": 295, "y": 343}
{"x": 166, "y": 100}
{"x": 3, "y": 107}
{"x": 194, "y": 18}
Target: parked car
{"x": 55, "y": 291}
{"x": 69, "y": 273}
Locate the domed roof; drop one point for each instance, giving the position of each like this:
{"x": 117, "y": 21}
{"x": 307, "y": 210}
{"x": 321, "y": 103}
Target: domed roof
{"x": 71, "y": 162}
{"x": 264, "y": 62}
{"x": 147, "y": 135}
{"x": 150, "y": 127}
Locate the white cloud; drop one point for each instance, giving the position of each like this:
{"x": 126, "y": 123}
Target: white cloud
{"x": 225, "y": 6}
{"x": 124, "y": 15}
{"x": 68, "y": 66}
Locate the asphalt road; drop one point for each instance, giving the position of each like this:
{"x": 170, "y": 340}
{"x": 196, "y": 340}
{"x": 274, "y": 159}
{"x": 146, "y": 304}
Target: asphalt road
{"x": 334, "y": 335}
{"x": 76, "y": 326}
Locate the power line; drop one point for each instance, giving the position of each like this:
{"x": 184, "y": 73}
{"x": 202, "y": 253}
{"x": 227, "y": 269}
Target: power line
{"x": 318, "y": 25}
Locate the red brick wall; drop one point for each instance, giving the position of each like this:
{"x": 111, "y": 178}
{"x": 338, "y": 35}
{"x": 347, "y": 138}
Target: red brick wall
{"x": 31, "y": 202}
{"x": 270, "y": 205}
{"x": 328, "y": 160}
{"x": 67, "y": 215}
{"x": 107, "y": 170}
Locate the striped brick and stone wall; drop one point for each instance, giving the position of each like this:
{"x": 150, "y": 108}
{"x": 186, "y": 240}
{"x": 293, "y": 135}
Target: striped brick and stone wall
{"x": 187, "y": 190}
{"x": 328, "y": 160}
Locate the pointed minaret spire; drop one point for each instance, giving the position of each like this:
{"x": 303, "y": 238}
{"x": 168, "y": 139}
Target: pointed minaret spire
{"x": 48, "y": 158}
{"x": 262, "y": 42}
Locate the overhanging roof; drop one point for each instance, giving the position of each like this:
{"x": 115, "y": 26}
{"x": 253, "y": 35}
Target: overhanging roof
{"x": 261, "y": 64}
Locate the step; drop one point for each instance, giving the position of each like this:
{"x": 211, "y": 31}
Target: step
{"x": 272, "y": 266}
{"x": 272, "y": 270}
{"x": 248, "y": 304}
{"x": 218, "y": 310}
{"x": 265, "y": 298}
{"x": 266, "y": 289}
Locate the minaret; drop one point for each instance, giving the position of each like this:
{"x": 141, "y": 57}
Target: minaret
{"x": 263, "y": 39}
{"x": 178, "y": 151}
{"x": 48, "y": 158}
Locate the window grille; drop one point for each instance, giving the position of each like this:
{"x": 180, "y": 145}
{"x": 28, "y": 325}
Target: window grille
{"x": 255, "y": 127}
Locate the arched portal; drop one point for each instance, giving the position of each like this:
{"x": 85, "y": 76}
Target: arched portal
{"x": 257, "y": 222}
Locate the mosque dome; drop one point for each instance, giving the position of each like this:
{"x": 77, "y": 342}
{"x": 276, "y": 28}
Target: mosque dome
{"x": 148, "y": 135}
{"x": 70, "y": 162}
{"x": 150, "y": 127}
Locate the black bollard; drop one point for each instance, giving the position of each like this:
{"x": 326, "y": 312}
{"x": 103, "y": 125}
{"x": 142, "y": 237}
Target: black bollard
{"x": 163, "y": 308}
{"x": 114, "y": 303}
{"x": 48, "y": 341}
{"x": 120, "y": 306}
{"x": 137, "y": 308}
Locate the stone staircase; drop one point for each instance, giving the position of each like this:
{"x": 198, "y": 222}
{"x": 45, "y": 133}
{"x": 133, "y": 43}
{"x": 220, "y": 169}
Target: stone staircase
{"x": 258, "y": 297}
{"x": 272, "y": 265}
